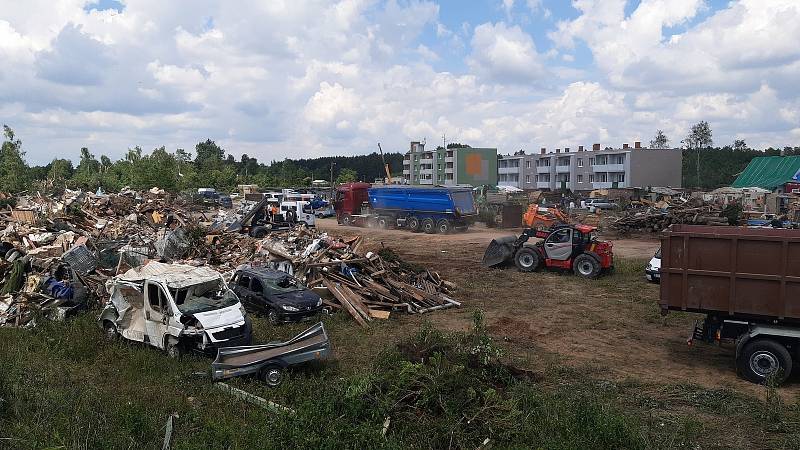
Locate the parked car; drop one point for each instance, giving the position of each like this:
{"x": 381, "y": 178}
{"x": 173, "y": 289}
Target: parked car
{"x": 176, "y": 308}
{"x": 278, "y": 295}
{"x": 600, "y": 203}
{"x": 653, "y": 270}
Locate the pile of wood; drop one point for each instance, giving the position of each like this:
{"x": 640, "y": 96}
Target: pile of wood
{"x": 657, "y": 217}
{"x": 365, "y": 285}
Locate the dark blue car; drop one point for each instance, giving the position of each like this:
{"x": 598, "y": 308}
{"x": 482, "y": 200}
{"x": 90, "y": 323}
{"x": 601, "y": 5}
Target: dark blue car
{"x": 278, "y": 295}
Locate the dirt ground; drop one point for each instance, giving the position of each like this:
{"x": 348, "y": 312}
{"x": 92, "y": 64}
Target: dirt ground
{"x": 611, "y": 326}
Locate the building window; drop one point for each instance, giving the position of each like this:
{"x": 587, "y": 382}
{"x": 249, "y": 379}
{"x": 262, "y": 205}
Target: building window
{"x": 580, "y": 178}
{"x": 528, "y": 164}
{"x": 580, "y": 164}
{"x": 591, "y": 161}
{"x": 591, "y": 178}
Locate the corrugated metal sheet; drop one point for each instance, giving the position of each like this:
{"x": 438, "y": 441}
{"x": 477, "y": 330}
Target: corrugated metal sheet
{"x": 768, "y": 172}
{"x": 174, "y": 275}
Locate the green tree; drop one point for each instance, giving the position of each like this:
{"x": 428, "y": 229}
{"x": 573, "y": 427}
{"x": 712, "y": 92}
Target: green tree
{"x": 60, "y": 170}
{"x": 347, "y": 175}
{"x": 660, "y": 141}
{"x": 698, "y": 139}
{"x": 14, "y": 173}
{"x": 739, "y": 145}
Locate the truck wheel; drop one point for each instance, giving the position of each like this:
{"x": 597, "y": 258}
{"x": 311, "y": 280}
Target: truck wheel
{"x": 271, "y": 375}
{"x": 763, "y": 358}
{"x": 347, "y": 220}
{"x": 443, "y": 226}
{"x": 174, "y": 349}
{"x": 383, "y": 223}
{"x": 428, "y": 226}
{"x": 527, "y": 259}
{"x": 586, "y": 266}
{"x": 110, "y": 330}
{"x": 259, "y": 232}
{"x": 413, "y": 224}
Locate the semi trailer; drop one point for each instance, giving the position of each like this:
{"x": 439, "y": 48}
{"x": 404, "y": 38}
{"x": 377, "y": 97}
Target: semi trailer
{"x": 428, "y": 209}
{"x": 747, "y": 283}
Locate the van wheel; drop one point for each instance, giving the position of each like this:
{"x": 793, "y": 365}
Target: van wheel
{"x": 428, "y": 226}
{"x": 586, "y": 266}
{"x": 527, "y": 259}
{"x": 413, "y": 224}
{"x": 174, "y": 349}
{"x": 110, "y": 331}
{"x": 271, "y": 375}
{"x": 444, "y": 226}
{"x": 764, "y": 358}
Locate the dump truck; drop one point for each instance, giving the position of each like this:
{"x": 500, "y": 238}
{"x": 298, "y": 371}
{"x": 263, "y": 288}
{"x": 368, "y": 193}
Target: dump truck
{"x": 747, "y": 283}
{"x": 428, "y": 209}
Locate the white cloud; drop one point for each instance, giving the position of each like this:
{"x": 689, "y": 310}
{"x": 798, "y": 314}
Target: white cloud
{"x": 505, "y": 54}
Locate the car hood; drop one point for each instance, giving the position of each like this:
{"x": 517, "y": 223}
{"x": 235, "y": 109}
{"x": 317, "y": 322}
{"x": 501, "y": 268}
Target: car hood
{"x": 220, "y": 317}
{"x": 296, "y": 298}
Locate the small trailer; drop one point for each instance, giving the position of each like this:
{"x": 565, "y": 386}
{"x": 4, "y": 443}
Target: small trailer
{"x": 436, "y": 209}
{"x": 747, "y": 283}
{"x": 268, "y": 361}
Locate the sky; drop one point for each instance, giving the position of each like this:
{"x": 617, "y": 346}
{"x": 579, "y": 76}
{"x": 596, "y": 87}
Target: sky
{"x": 279, "y": 79}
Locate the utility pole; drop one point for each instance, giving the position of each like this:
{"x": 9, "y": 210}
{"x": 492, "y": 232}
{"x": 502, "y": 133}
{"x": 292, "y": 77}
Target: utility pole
{"x": 332, "y": 164}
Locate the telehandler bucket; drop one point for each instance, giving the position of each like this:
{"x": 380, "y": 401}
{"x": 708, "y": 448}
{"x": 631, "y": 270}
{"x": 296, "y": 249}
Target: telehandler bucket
{"x": 499, "y": 251}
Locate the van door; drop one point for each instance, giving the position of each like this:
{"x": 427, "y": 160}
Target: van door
{"x": 558, "y": 245}
{"x": 156, "y": 310}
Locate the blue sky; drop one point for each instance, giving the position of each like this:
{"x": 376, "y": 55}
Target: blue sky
{"x": 301, "y": 79}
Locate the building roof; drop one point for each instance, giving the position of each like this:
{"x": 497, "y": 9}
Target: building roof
{"x": 768, "y": 172}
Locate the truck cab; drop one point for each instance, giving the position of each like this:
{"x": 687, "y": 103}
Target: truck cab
{"x": 300, "y": 210}
{"x": 176, "y": 308}
{"x": 349, "y": 199}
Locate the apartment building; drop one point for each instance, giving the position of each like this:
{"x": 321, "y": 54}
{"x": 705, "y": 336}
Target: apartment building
{"x": 452, "y": 166}
{"x": 584, "y": 170}
{"x": 509, "y": 170}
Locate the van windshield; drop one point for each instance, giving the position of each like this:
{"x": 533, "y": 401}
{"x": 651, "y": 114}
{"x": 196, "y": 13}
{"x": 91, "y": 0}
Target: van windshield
{"x": 203, "y": 297}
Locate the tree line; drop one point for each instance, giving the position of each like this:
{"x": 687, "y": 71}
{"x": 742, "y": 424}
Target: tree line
{"x": 207, "y": 166}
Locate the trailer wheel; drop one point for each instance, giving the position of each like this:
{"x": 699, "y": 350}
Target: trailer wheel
{"x": 428, "y": 226}
{"x": 347, "y": 220}
{"x": 271, "y": 375}
{"x": 444, "y": 226}
{"x": 413, "y": 224}
{"x": 383, "y": 223}
{"x": 527, "y": 259}
{"x": 764, "y": 358}
{"x": 586, "y": 266}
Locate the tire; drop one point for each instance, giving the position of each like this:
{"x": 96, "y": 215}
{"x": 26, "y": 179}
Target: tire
{"x": 271, "y": 375}
{"x": 110, "y": 331}
{"x": 527, "y": 259}
{"x": 259, "y": 232}
{"x": 428, "y": 226}
{"x": 587, "y": 267}
{"x": 383, "y": 223}
{"x": 174, "y": 349}
{"x": 444, "y": 226}
{"x": 274, "y": 318}
{"x": 413, "y": 224}
{"x": 291, "y": 216}
{"x": 762, "y": 358}
{"x": 372, "y": 222}
{"x": 347, "y": 220}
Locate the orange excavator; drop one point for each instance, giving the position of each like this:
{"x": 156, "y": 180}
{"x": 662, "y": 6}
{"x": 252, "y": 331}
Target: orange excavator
{"x": 537, "y": 217}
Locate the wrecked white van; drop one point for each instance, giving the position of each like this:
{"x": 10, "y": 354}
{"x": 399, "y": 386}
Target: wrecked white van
{"x": 175, "y": 307}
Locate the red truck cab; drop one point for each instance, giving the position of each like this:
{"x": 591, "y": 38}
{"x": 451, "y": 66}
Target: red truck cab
{"x": 349, "y": 198}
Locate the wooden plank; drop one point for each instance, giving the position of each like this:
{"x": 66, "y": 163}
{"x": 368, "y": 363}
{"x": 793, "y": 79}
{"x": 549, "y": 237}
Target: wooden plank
{"x": 254, "y": 399}
{"x": 356, "y": 301}
{"x": 335, "y": 290}
{"x": 378, "y": 314}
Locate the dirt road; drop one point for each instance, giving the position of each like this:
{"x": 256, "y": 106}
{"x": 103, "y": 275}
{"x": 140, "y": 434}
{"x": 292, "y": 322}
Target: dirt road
{"x": 611, "y": 326}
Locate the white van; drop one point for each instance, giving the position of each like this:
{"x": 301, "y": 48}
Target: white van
{"x": 176, "y": 308}
{"x": 302, "y": 211}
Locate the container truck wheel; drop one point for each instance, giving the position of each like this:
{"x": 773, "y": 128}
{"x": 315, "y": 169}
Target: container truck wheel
{"x": 413, "y": 224}
{"x": 347, "y": 220}
{"x": 428, "y": 226}
{"x": 586, "y": 266}
{"x": 527, "y": 259}
{"x": 444, "y": 226}
{"x": 762, "y": 358}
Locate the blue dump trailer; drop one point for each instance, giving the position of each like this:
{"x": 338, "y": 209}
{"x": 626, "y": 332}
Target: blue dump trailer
{"x": 428, "y": 209}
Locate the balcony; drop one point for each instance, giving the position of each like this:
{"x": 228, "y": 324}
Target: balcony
{"x": 449, "y": 159}
{"x": 508, "y": 170}
{"x": 542, "y": 169}
{"x": 608, "y": 168}
{"x": 426, "y": 181}
{"x": 543, "y": 185}
{"x": 608, "y": 184}
{"x": 563, "y": 169}
{"x": 426, "y": 171}
{"x": 426, "y": 161}
{"x": 406, "y": 172}
{"x": 448, "y": 170}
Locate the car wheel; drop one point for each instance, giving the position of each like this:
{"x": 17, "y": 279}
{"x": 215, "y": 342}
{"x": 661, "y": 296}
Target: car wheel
{"x": 110, "y": 330}
{"x": 527, "y": 259}
{"x": 428, "y": 226}
{"x": 271, "y": 375}
{"x": 763, "y": 359}
{"x": 274, "y": 318}
{"x": 174, "y": 349}
{"x": 586, "y": 266}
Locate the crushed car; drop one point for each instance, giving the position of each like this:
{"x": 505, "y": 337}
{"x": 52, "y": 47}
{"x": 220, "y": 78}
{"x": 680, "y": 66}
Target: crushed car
{"x": 175, "y": 307}
{"x": 278, "y": 295}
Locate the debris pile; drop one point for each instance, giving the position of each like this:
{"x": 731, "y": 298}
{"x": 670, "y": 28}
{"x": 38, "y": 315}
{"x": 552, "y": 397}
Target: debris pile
{"x": 660, "y": 215}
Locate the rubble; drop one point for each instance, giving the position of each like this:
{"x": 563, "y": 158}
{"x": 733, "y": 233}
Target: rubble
{"x": 654, "y": 217}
